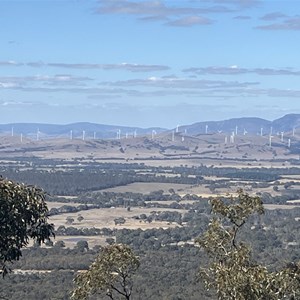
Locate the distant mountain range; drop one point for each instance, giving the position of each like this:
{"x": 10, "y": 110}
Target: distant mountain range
{"x": 250, "y": 125}
{"x": 247, "y": 124}
{"x": 74, "y": 129}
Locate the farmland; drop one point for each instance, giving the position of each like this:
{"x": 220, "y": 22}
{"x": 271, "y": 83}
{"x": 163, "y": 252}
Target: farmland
{"x": 152, "y": 195}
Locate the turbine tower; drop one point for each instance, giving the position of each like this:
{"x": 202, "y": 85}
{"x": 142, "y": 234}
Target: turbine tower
{"x": 289, "y": 143}
{"x": 21, "y": 137}
{"x": 94, "y": 135}
{"x": 177, "y": 128}
{"x": 173, "y": 136}
{"x": 232, "y": 138}
{"x": 118, "y": 134}
{"x": 83, "y": 135}
{"x": 206, "y": 129}
{"x": 282, "y": 135}
{"x": 153, "y": 134}
{"x": 270, "y": 140}
{"x": 261, "y": 131}
{"x": 12, "y": 131}
{"x": 71, "y": 134}
{"x": 37, "y": 134}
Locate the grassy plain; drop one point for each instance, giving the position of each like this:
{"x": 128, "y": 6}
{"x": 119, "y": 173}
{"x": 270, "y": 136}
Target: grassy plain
{"x": 209, "y": 150}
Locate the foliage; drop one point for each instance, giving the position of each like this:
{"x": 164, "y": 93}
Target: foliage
{"x": 110, "y": 274}
{"x": 233, "y": 273}
{"x": 23, "y": 215}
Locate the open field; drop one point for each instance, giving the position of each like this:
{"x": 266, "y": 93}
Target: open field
{"x": 51, "y": 204}
{"x": 104, "y": 217}
{"x": 71, "y": 241}
{"x": 148, "y": 187}
{"x": 250, "y": 150}
{"x": 280, "y": 206}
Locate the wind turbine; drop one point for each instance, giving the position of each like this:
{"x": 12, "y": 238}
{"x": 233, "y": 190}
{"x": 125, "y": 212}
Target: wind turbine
{"x": 270, "y": 140}
{"x": 282, "y": 135}
{"x": 236, "y": 130}
{"x": 21, "y": 137}
{"x": 173, "y": 136}
{"x": 118, "y": 134}
{"x": 134, "y": 134}
{"x": 289, "y": 143}
{"x": 206, "y": 129}
{"x": 245, "y": 131}
{"x": 71, "y": 134}
{"x": 177, "y": 128}
{"x": 94, "y": 135}
{"x": 232, "y": 138}
{"x": 37, "y": 134}
{"x": 226, "y": 140}
{"x": 153, "y": 134}
{"x": 261, "y": 131}
{"x": 12, "y": 131}
{"x": 83, "y": 135}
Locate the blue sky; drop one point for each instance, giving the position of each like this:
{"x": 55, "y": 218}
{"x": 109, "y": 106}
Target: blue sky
{"x": 148, "y": 63}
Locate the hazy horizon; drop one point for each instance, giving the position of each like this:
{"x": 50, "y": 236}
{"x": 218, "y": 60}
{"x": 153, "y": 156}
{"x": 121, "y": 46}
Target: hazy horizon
{"x": 148, "y": 63}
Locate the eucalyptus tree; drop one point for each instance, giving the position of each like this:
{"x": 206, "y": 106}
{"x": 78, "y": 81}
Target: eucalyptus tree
{"x": 23, "y": 216}
{"x": 232, "y": 272}
{"x": 110, "y": 274}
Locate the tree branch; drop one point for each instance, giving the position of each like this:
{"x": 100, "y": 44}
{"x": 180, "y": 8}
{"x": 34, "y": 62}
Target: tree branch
{"x": 118, "y": 291}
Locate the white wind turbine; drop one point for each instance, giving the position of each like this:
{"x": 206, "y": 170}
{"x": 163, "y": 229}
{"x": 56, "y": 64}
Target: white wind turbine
{"x": 270, "y": 140}
{"x": 232, "y": 138}
{"x": 38, "y": 134}
{"x": 118, "y": 134}
{"x": 153, "y": 134}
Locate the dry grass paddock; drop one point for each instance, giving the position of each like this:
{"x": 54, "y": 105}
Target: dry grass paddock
{"x": 104, "y": 217}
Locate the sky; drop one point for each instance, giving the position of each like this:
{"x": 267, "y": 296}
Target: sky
{"x": 148, "y": 63}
